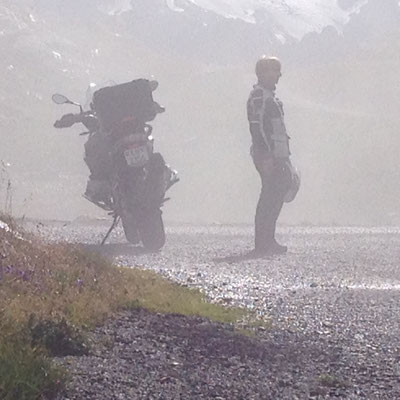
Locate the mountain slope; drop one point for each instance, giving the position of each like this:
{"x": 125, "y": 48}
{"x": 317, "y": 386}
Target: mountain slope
{"x": 292, "y": 18}
{"x": 340, "y": 92}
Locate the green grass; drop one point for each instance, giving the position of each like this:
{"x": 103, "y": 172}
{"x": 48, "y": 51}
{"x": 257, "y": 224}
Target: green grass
{"x": 62, "y": 283}
{"x": 26, "y": 374}
{"x": 160, "y": 295}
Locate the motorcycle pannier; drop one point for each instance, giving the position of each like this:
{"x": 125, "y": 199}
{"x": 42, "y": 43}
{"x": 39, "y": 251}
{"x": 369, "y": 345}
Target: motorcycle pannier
{"x": 115, "y": 103}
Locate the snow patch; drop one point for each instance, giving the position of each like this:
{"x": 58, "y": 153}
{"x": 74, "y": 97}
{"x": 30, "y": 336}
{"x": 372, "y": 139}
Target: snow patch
{"x": 5, "y": 227}
{"x": 56, "y": 55}
{"x": 116, "y": 7}
{"x": 294, "y": 17}
{"x": 289, "y": 18}
{"x": 172, "y": 6}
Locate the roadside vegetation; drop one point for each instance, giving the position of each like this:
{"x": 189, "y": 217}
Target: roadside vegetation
{"x": 51, "y": 294}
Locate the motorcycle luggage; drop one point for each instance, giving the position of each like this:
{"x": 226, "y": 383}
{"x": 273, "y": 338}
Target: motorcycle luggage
{"x": 97, "y": 155}
{"x": 113, "y": 104}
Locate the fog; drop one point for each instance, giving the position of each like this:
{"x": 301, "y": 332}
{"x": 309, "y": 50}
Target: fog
{"x": 340, "y": 91}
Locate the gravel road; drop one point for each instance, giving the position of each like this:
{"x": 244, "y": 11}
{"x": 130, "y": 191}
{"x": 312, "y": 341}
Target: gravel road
{"x": 333, "y": 302}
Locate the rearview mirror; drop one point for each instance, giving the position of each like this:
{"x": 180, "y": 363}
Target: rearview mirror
{"x": 153, "y": 85}
{"x": 60, "y": 99}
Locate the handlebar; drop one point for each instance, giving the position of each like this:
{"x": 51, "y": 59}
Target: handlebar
{"x": 66, "y": 121}
{"x": 86, "y": 118}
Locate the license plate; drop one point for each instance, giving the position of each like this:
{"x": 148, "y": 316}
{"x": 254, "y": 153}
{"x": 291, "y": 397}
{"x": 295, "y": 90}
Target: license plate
{"x": 137, "y": 157}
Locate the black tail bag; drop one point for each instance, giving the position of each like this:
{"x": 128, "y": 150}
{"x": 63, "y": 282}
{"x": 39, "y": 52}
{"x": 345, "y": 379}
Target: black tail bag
{"x": 116, "y": 103}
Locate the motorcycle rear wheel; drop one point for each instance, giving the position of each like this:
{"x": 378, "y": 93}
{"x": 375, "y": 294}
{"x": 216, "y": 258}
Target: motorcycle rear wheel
{"x": 130, "y": 226}
{"x": 152, "y": 230}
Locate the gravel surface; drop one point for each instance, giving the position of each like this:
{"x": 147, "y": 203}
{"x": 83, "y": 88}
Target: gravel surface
{"x": 333, "y": 301}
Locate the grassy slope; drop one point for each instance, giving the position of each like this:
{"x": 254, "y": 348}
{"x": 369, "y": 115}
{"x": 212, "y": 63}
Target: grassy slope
{"x": 62, "y": 283}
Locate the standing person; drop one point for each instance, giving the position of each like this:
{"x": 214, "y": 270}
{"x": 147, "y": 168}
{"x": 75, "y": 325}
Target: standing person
{"x": 270, "y": 153}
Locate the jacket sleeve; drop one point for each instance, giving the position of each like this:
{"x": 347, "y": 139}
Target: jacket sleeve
{"x": 256, "y": 117}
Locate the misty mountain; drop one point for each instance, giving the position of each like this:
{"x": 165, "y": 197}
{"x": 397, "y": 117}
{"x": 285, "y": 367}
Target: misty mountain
{"x": 227, "y": 31}
{"x": 340, "y": 88}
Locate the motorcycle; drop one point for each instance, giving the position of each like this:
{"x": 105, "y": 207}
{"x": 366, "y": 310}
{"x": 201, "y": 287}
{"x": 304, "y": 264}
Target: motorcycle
{"x": 132, "y": 180}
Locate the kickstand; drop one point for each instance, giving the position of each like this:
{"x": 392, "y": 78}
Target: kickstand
{"x": 113, "y": 226}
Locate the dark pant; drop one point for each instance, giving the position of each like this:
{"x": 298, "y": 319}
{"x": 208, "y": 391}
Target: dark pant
{"x": 275, "y": 184}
